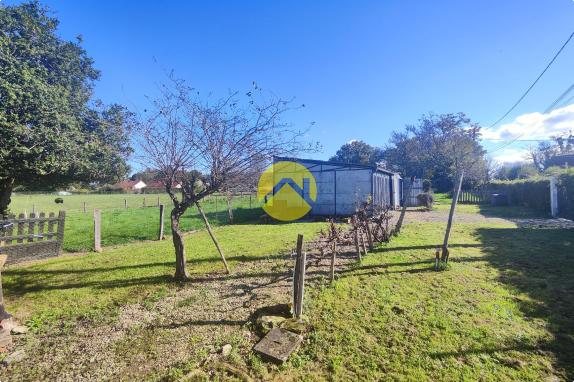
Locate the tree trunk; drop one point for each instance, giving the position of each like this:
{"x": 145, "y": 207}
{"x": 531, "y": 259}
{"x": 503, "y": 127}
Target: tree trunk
{"x": 180, "y": 261}
{"x": 6, "y": 186}
{"x": 213, "y": 237}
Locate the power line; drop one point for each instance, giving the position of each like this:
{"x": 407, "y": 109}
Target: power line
{"x": 535, "y": 81}
{"x": 520, "y": 140}
{"x": 567, "y": 102}
{"x": 559, "y": 99}
{"x": 548, "y": 110}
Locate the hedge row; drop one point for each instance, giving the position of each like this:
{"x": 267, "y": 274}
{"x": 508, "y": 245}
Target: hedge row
{"x": 531, "y": 192}
{"x": 535, "y": 192}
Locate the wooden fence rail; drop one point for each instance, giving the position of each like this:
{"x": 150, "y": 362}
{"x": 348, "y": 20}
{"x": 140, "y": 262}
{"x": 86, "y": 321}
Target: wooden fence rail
{"x": 475, "y": 196}
{"x": 34, "y": 237}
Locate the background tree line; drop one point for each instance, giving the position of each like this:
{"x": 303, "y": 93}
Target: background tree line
{"x": 437, "y": 148}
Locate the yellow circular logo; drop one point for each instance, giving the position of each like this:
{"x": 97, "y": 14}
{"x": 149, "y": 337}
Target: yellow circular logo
{"x": 287, "y": 190}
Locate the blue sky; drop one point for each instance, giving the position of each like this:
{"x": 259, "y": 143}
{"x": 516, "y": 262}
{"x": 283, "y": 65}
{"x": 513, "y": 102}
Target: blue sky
{"x": 362, "y": 68}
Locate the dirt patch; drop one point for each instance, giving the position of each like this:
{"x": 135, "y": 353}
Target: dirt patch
{"x": 184, "y": 329}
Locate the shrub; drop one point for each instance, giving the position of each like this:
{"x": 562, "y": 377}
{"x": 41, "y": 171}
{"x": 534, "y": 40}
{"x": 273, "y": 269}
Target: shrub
{"x": 426, "y": 199}
{"x": 427, "y": 184}
{"x": 59, "y": 200}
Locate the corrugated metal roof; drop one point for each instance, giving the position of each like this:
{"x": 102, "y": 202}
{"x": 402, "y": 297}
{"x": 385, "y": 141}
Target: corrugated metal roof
{"x": 342, "y": 164}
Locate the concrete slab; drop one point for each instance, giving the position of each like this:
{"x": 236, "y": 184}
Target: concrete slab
{"x": 278, "y": 344}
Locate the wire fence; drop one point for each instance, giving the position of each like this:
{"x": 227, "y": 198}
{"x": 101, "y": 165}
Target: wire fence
{"x": 128, "y": 218}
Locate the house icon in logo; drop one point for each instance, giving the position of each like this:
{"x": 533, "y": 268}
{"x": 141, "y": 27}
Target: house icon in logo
{"x": 287, "y": 190}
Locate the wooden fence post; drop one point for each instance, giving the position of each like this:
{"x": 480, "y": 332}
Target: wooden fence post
{"x": 125, "y": 203}
{"x": 60, "y": 234}
{"x": 41, "y": 224}
{"x": 158, "y": 201}
{"x": 144, "y": 201}
{"x": 84, "y": 207}
{"x": 21, "y": 225}
{"x": 51, "y": 223}
{"x": 249, "y": 201}
{"x": 161, "y": 219}
{"x": 444, "y": 256}
{"x": 97, "y": 230}
{"x": 31, "y": 227}
{"x": 299, "y": 279}
{"x": 333, "y": 258}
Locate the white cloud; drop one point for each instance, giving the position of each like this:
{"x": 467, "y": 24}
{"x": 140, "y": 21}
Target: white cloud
{"x": 510, "y": 155}
{"x": 535, "y": 125}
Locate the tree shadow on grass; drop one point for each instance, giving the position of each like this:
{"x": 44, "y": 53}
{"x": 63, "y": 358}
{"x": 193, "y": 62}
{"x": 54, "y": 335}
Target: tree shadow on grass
{"x": 21, "y": 287}
{"x": 488, "y": 210}
{"x": 540, "y": 264}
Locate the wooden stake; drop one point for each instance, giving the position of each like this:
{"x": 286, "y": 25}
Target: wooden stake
{"x": 299, "y": 279}
{"x": 363, "y": 243}
{"x": 356, "y": 238}
{"x": 436, "y": 258}
{"x": 370, "y": 236}
{"x": 161, "y": 219}
{"x": 84, "y": 207}
{"x": 444, "y": 256}
{"x": 212, "y": 236}
{"x": 333, "y": 257}
{"x": 229, "y": 208}
{"x": 97, "y": 230}
{"x": 125, "y": 203}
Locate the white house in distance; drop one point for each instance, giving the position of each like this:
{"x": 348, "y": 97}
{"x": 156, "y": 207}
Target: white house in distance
{"x": 135, "y": 186}
{"x": 139, "y": 186}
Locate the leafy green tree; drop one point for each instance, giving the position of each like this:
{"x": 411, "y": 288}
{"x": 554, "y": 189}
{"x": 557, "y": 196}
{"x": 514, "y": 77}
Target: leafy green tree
{"x": 516, "y": 171}
{"x": 439, "y": 148}
{"x": 358, "y": 152}
{"x": 51, "y": 134}
{"x": 545, "y": 154}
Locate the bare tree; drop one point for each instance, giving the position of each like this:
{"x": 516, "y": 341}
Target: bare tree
{"x": 208, "y": 146}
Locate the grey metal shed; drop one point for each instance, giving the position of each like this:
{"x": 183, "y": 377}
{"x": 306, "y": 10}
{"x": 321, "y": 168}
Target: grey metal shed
{"x": 341, "y": 186}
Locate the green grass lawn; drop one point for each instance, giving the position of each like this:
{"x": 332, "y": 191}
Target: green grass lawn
{"x": 77, "y": 286}
{"x": 123, "y": 225}
{"x": 443, "y": 202}
{"x": 503, "y": 311}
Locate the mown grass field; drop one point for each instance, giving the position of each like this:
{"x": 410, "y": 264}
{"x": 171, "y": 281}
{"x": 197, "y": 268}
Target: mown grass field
{"x": 75, "y": 286}
{"x": 122, "y": 225}
{"x": 502, "y": 311}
